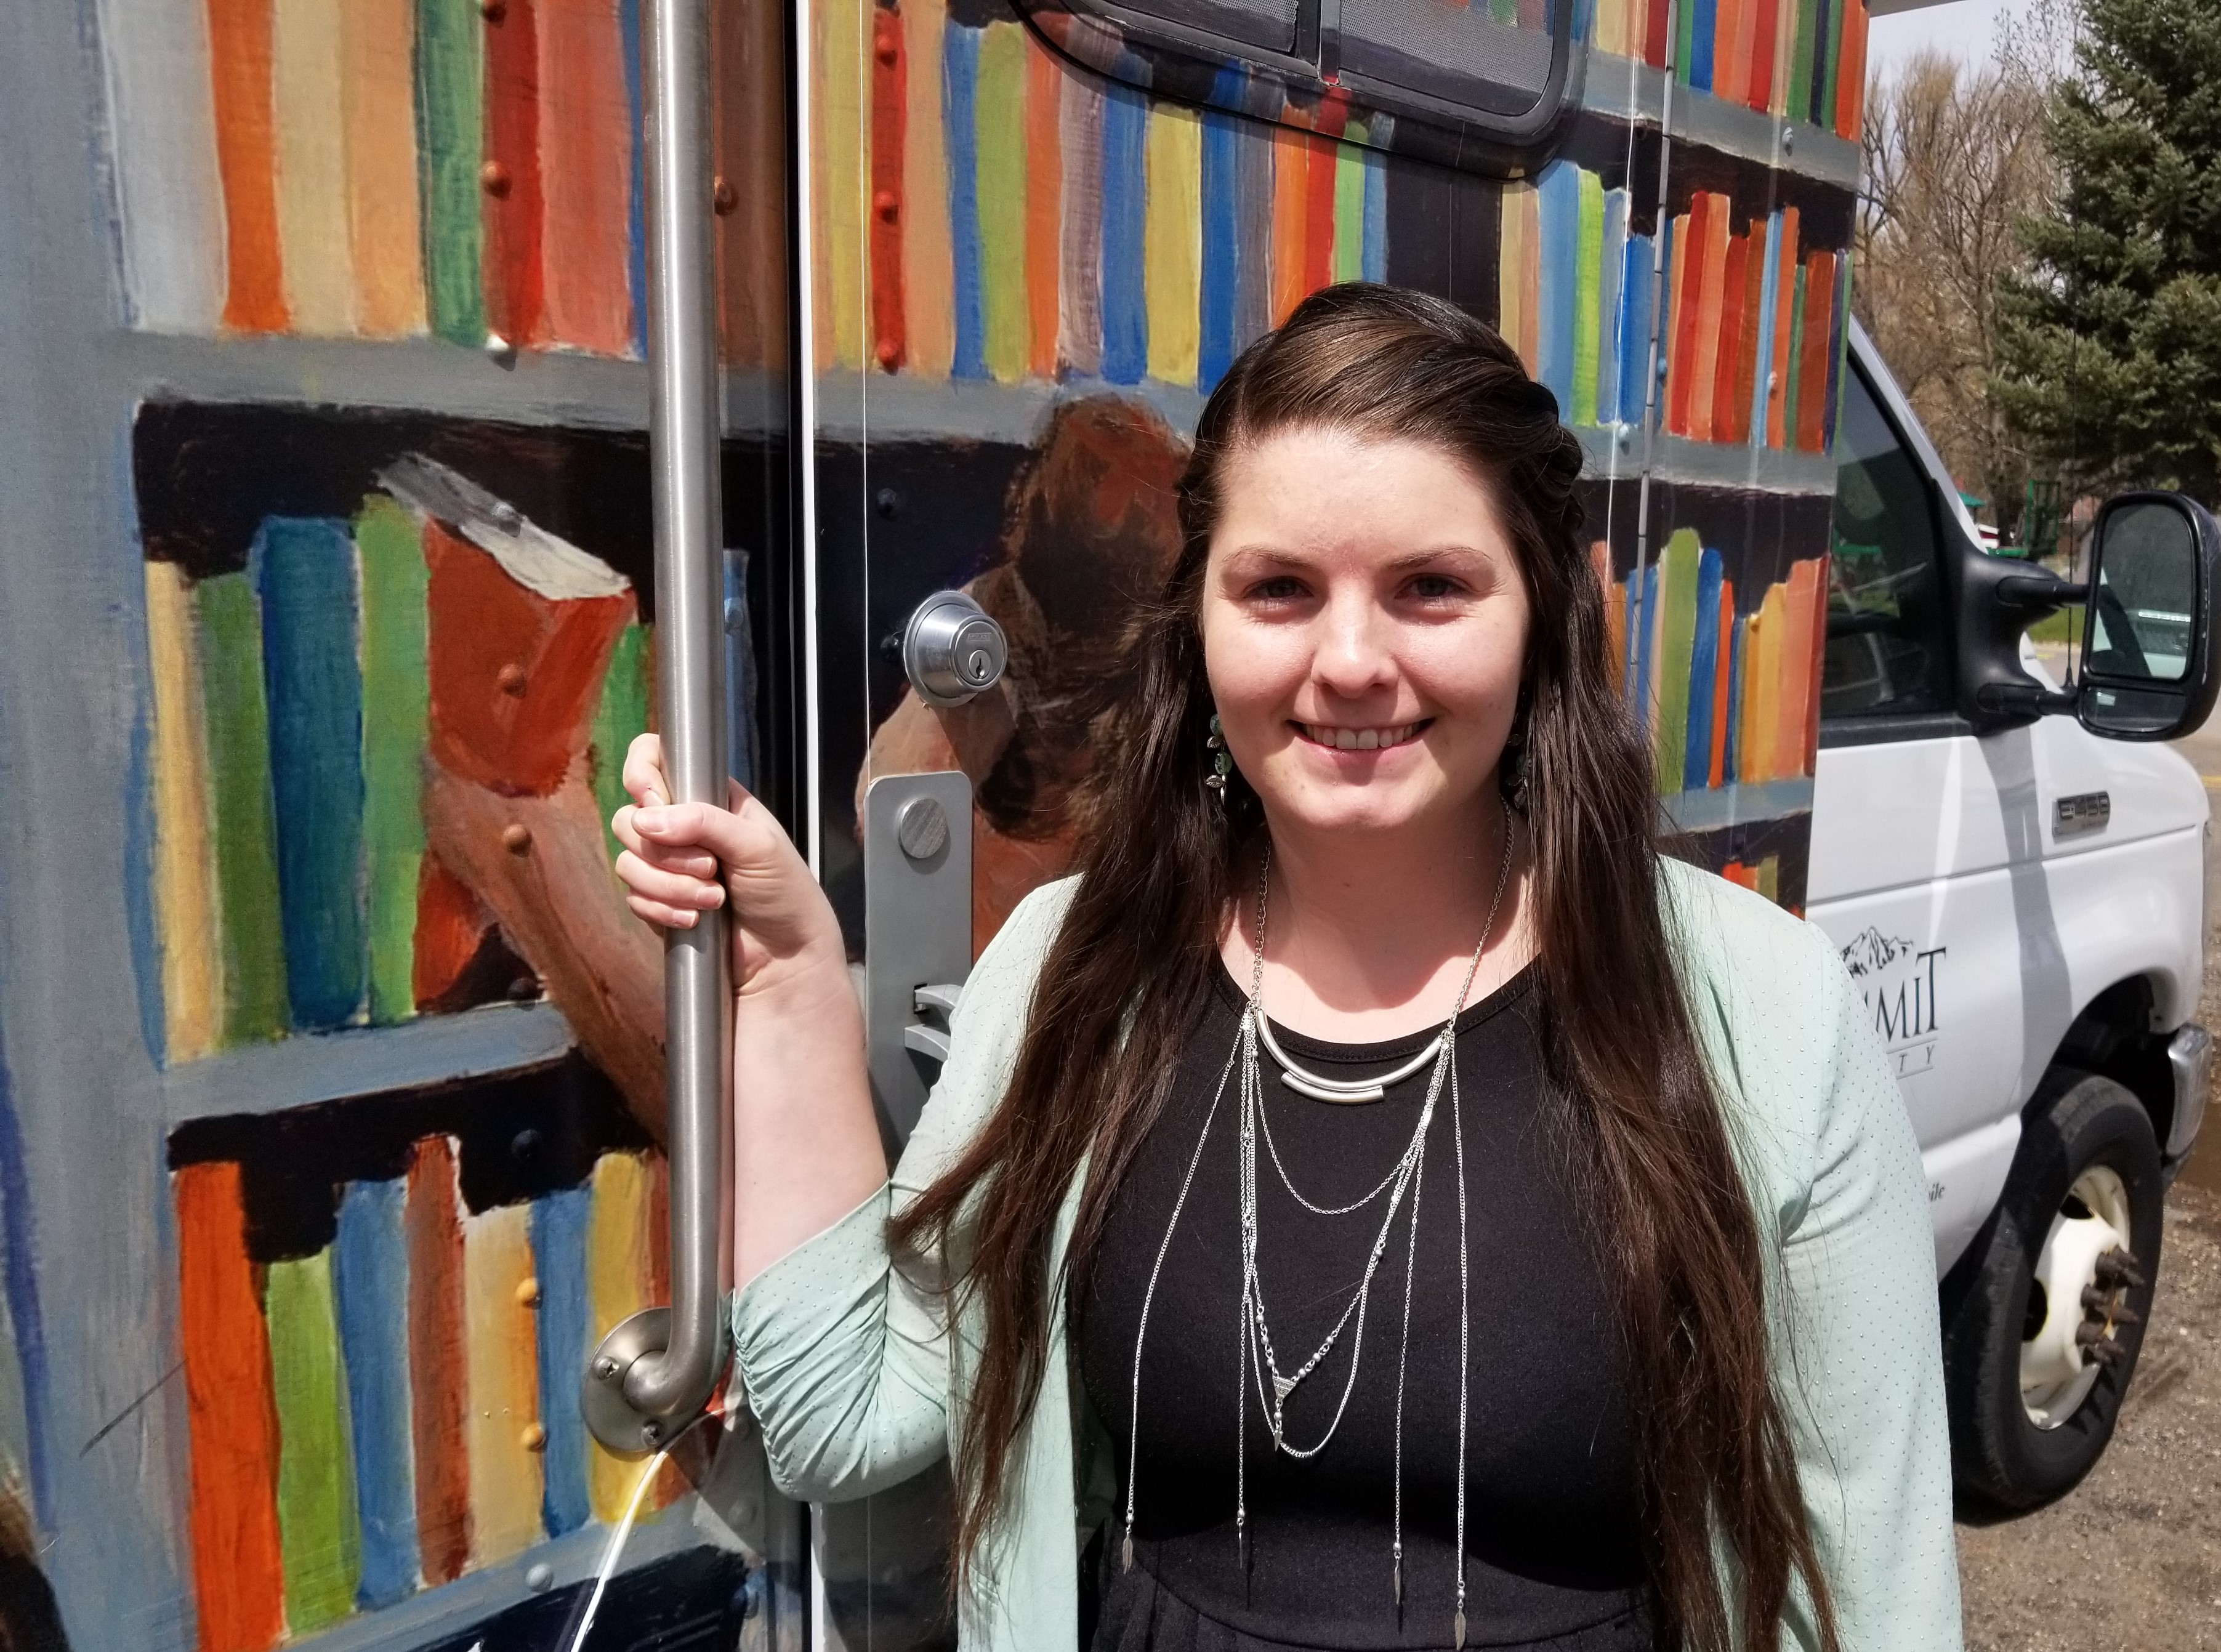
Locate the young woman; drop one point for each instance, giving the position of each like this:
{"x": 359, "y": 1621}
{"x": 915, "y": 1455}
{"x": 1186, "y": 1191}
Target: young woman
{"x": 1386, "y": 1202}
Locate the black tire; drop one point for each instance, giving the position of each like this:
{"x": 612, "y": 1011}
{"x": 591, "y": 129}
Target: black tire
{"x": 2002, "y": 1462}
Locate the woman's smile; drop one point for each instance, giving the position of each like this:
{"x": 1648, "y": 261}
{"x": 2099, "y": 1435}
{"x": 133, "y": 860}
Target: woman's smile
{"x": 1345, "y": 738}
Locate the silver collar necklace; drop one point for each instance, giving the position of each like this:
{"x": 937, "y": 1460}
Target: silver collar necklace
{"x": 1259, "y": 1365}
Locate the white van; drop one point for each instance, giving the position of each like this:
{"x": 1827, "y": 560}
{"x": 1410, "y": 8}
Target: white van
{"x": 2015, "y": 875}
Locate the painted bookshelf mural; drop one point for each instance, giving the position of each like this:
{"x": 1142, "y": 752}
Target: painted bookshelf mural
{"x": 296, "y": 704}
{"x": 386, "y": 708}
{"x": 1752, "y": 323}
{"x": 392, "y": 168}
{"x": 1729, "y": 686}
{"x": 381, "y": 1388}
{"x": 1803, "y": 60}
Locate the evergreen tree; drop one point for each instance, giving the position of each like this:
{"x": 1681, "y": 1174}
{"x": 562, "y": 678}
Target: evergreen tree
{"x": 2111, "y": 350}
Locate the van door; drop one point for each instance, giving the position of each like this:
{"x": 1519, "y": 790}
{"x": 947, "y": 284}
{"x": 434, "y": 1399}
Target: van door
{"x": 1927, "y": 841}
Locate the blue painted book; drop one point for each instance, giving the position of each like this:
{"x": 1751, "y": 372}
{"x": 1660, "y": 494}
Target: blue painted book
{"x": 370, "y": 1288}
{"x": 559, "y": 1262}
{"x": 304, "y": 570}
{"x": 1704, "y": 672}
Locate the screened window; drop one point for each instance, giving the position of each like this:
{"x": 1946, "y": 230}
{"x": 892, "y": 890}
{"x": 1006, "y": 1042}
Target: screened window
{"x": 1472, "y": 83}
{"x": 1492, "y": 55}
{"x": 1886, "y": 652}
{"x": 1269, "y": 24}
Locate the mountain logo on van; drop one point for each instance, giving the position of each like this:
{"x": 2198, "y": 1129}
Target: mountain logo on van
{"x": 1897, "y": 979}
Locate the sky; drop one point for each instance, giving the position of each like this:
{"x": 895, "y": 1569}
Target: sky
{"x": 1966, "y": 29}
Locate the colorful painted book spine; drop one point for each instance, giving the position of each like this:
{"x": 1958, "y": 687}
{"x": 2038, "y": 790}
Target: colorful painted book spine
{"x": 1765, "y": 16}
{"x": 1045, "y": 80}
{"x": 1634, "y": 305}
{"x": 1769, "y": 277}
{"x": 1683, "y": 272}
{"x": 1645, "y": 623}
{"x": 839, "y": 165}
{"x": 1611, "y": 321}
{"x": 616, "y": 1288}
{"x": 1349, "y": 204}
{"x": 1172, "y": 254}
{"x": 1557, "y": 206}
{"x": 395, "y": 707}
{"x": 1736, "y": 632}
{"x": 585, "y": 145}
{"x": 1850, "y": 83}
{"x": 304, "y": 570}
{"x": 1708, "y": 302}
{"x": 1323, "y": 153}
{"x": 515, "y": 202}
{"x": 238, "y": 1563}
{"x": 1766, "y": 681}
{"x": 370, "y": 1294}
{"x": 908, "y": 158}
{"x": 240, "y": 50}
{"x": 1838, "y": 341}
{"x": 1125, "y": 205}
{"x": 242, "y": 821}
{"x": 1677, "y": 633}
{"x": 1511, "y": 262}
{"x": 1815, "y": 366}
{"x": 1223, "y": 141}
{"x": 1802, "y": 58}
{"x": 439, "y": 1393}
{"x": 1731, "y": 393}
{"x": 449, "y": 33}
{"x": 322, "y": 1545}
{"x": 563, "y": 1343}
{"x": 185, "y": 891}
{"x": 1704, "y": 669}
{"x": 1726, "y": 67}
{"x": 308, "y": 98}
{"x": 500, "y": 1363}
{"x": 377, "y": 46}
{"x": 1588, "y": 283}
{"x": 1723, "y": 685}
{"x": 1801, "y": 635}
{"x": 999, "y": 156}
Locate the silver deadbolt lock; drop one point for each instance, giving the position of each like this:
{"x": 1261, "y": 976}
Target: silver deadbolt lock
{"x": 951, "y": 650}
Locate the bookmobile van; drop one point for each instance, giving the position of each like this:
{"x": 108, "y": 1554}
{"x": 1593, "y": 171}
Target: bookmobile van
{"x": 338, "y": 566}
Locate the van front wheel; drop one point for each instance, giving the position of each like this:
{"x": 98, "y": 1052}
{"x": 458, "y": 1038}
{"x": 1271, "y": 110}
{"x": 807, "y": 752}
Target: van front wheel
{"x": 2039, "y": 1345}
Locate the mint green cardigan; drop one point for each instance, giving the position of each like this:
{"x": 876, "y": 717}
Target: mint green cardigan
{"x": 859, "y": 1383}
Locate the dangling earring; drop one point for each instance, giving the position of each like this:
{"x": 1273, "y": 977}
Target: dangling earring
{"x": 1515, "y": 783}
{"x": 1514, "y": 768}
{"x": 1221, "y": 764}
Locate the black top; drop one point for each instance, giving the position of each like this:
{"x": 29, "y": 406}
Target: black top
{"x": 1553, "y": 1556}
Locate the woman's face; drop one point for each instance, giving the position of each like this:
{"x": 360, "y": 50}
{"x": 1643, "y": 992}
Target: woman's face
{"x": 1364, "y": 623}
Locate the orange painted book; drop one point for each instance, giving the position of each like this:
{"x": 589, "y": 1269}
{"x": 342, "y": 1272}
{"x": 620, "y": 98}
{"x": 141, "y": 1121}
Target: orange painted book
{"x": 522, "y": 627}
{"x": 1818, "y": 343}
{"x": 1681, "y": 315}
{"x": 1704, "y": 382}
{"x": 1801, "y": 643}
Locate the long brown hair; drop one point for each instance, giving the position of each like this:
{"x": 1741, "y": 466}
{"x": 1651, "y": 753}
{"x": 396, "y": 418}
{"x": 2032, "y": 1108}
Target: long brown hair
{"x": 1658, "y": 1180}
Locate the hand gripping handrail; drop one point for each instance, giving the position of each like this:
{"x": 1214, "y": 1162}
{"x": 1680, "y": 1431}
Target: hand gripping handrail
{"x": 653, "y": 1373}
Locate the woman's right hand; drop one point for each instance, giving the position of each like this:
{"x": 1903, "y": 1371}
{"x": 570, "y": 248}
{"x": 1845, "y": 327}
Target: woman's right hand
{"x": 806, "y": 1146}
{"x": 681, "y": 860}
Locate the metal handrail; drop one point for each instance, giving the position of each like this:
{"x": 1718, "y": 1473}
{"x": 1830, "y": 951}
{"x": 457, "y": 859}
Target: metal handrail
{"x": 659, "y": 1367}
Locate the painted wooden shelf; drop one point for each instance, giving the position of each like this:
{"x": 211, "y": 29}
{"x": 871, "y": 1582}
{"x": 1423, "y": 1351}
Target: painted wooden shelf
{"x": 1626, "y": 90}
{"x": 364, "y": 1061}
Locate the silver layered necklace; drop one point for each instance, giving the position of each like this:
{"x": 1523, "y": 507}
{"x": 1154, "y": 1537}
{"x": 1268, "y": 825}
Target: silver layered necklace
{"x": 1261, "y": 1369}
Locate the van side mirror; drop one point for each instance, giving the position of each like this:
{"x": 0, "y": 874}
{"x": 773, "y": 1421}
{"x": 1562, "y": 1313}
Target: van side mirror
{"x": 2149, "y": 671}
